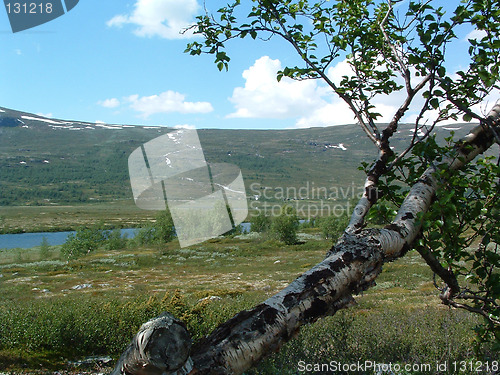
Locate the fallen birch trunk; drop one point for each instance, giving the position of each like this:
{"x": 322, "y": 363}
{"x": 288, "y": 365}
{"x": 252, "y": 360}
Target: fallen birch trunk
{"x": 350, "y": 267}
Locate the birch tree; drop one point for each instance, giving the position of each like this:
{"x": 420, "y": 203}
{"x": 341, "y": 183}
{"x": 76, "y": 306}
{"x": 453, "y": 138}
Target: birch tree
{"x": 396, "y": 49}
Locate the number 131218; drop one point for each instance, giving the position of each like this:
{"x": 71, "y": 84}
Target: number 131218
{"x": 29, "y": 8}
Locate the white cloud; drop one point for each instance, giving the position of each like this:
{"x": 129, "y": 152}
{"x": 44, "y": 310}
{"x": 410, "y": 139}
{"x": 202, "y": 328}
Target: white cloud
{"x": 166, "y": 102}
{"x": 334, "y": 113}
{"x": 109, "y": 103}
{"x": 184, "y": 126}
{"x": 337, "y": 72}
{"x": 476, "y": 34}
{"x": 264, "y": 97}
{"x": 164, "y": 18}
{"x": 431, "y": 115}
{"x": 428, "y": 119}
{"x": 48, "y": 115}
{"x": 311, "y": 104}
{"x": 337, "y": 112}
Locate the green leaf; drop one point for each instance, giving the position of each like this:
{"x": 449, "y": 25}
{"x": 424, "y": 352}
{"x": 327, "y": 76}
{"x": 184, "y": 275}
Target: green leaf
{"x": 434, "y": 102}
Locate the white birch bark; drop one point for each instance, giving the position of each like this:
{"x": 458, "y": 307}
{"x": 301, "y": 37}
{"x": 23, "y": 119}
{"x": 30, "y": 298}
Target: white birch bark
{"x": 350, "y": 266}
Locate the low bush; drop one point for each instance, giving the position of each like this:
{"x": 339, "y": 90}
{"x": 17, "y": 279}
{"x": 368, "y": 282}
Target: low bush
{"x": 161, "y": 231}
{"x": 284, "y": 227}
{"x": 44, "y": 249}
{"x": 83, "y": 326}
{"x": 332, "y": 226}
{"x": 83, "y": 241}
{"x": 115, "y": 240}
{"x": 260, "y": 223}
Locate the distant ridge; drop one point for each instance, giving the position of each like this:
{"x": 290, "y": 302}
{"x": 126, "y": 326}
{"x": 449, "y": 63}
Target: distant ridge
{"x": 13, "y": 118}
{"x": 47, "y": 161}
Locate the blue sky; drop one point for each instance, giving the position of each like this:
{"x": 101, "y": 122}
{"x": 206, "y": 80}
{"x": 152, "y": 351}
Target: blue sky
{"x": 122, "y": 62}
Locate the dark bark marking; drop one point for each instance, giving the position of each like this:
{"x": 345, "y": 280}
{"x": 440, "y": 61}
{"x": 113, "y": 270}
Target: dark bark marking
{"x": 394, "y": 227}
{"x": 318, "y": 276}
{"x": 354, "y": 287}
{"x": 372, "y": 194}
{"x": 405, "y": 249}
{"x": 407, "y": 216}
{"x": 425, "y": 180}
{"x": 290, "y": 300}
{"x": 270, "y": 314}
{"x": 318, "y": 308}
{"x": 337, "y": 265}
{"x": 347, "y": 257}
{"x": 266, "y": 318}
{"x": 320, "y": 290}
{"x": 482, "y": 140}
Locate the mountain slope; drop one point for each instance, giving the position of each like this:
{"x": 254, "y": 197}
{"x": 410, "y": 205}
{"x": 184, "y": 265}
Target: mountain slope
{"x": 48, "y": 161}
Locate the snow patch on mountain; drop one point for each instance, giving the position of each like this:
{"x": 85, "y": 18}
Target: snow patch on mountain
{"x": 44, "y": 120}
{"x": 340, "y": 146}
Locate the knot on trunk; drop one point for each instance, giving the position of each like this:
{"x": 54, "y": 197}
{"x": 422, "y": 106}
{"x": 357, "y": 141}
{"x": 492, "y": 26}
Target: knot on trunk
{"x": 161, "y": 347}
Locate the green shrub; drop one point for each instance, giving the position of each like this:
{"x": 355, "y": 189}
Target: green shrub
{"x": 78, "y": 326}
{"x": 333, "y": 226}
{"x": 44, "y": 249}
{"x": 407, "y": 336}
{"x": 145, "y": 235}
{"x": 284, "y": 227}
{"x": 164, "y": 227}
{"x": 84, "y": 241}
{"x": 115, "y": 240}
{"x": 260, "y": 223}
{"x": 161, "y": 231}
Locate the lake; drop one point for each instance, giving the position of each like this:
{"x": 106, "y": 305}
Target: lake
{"x": 29, "y": 240}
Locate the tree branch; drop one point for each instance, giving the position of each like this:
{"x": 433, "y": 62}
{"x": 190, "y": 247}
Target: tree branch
{"x": 288, "y": 37}
{"x": 453, "y": 288}
{"x": 370, "y": 194}
{"x": 487, "y": 316}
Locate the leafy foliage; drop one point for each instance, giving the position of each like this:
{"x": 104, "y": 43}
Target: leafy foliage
{"x": 44, "y": 248}
{"x": 382, "y": 45}
{"x": 332, "y": 226}
{"x": 461, "y": 231}
{"x": 83, "y": 242}
{"x": 161, "y": 231}
{"x": 260, "y": 222}
{"x": 115, "y": 240}
{"x": 285, "y": 225}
